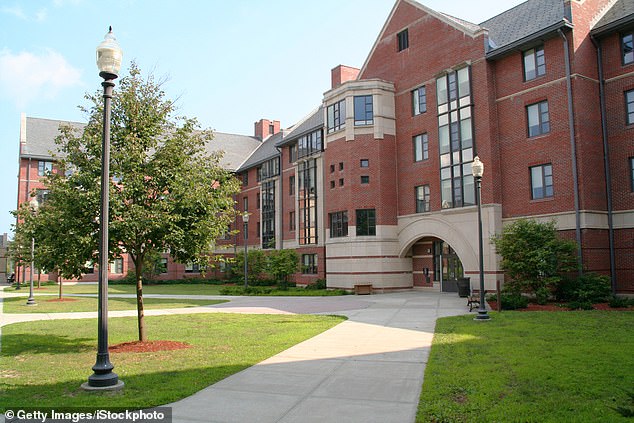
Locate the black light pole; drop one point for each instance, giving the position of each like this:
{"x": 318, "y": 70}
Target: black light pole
{"x": 31, "y": 300}
{"x": 245, "y": 219}
{"x": 478, "y": 170}
{"x": 109, "y": 56}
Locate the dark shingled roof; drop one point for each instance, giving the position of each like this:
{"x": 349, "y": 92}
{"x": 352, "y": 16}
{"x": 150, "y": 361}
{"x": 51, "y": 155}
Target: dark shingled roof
{"x": 619, "y": 15}
{"x": 264, "y": 152}
{"x": 40, "y": 136}
{"x": 313, "y": 121}
{"x": 524, "y": 23}
{"x": 41, "y": 133}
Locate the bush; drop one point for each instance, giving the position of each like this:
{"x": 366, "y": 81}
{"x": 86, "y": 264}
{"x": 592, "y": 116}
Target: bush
{"x": 186, "y": 281}
{"x": 319, "y": 284}
{"x": 542, "y": 295}
{"x": 580, "y": 305}
{"x": 618, "y": 302}
{"x": 592, "y": 288}
{"x": 513, "y": 301}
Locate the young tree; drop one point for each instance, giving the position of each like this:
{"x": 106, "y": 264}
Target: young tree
{"x": 167, "y": 192}
{"x": 282, "y": 264}
{"x": 533, "y": 255}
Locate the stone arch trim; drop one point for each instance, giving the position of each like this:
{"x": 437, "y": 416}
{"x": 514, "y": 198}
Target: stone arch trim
{"x": 464, "y": 244}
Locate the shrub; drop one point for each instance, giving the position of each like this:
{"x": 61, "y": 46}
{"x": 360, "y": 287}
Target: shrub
{"x": 592, "y": 288}
{"x": 580, "y": 305}
{"x": 618, "y": 302}
{"x": 542, "y": 295}
{"x": 513, "y": 301}
{"x": 319, "y": 284}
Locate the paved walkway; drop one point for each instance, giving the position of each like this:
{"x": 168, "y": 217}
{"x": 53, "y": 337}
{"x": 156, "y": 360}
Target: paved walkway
{"x": 367, "y": 369}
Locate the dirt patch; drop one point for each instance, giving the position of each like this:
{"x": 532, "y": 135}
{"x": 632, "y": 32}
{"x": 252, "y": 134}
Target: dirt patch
{"x": 61, "y": 300}
{"x": 148, "y": 346}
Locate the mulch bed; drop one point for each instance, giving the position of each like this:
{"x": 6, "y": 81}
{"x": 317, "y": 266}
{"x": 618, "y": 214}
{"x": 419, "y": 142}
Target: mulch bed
{"x": 561, "y": 307}
{"x": 148, "y": 346}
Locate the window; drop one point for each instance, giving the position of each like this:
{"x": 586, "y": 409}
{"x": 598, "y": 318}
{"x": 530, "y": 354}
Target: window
{"x": 365, "y": 179}
{"x": 403, "y": 40}
{"x": 627, "y": 48}
{"x": 419, "y": 101}
{"x": 309, "y": 264}
{"x": 538, "y": 119}
{"x": 291, "y": 221}
{"x": 366, "y": 222}
{"x": 193, "y": 268}
{"x": 292, "y": 153}
{"x": 632, "y": 173}
{"x": 629, "y": 107}
{"x": 422, "y": 199}
{"x": 455, "y": 138}
{"x": 310, "y": 144}
{"x": 307, "y": 198}
{"x": 44, "y": 167}
{"x": 257, "y": 202}
{"x": 363, "y": 114}
{"x": 268, "y": 214}
{"x": 89, "y": 268}
{"x": 332, "y": 168}
{"x": 336, "y": 116}
{"x": 41, "y": 195}
{"x": 541, "y": 181}
{"x": 257, "y": 229}
{"x": 338, "y": 224}
{"x": 341, "y": 182}
{"x": 245, "y": 178}
{"x": 340, "y": 166}
{"x": 291, "y": 185}
{"x": 364, "y": 163}
{"x": 534, "y": 63}
{"x": 245, "y": 204}
{"x": 163, "y": 265}
{"x": 271, "y": 129}
{"x": 269, "y": 169}
{"x": 116, "y": 266}
{"x": 332, "y": 184}
{"x": 421, "y": 147}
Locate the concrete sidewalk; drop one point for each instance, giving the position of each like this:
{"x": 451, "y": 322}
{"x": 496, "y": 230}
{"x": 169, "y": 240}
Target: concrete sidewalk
{"x": 367, "y": 369}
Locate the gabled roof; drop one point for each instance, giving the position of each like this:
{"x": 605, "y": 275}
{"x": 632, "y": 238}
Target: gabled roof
{"x": 618, "y": 16}
{"x": 38, "y": 142}
{"x": 524, "y": 23}
{"x": 266, "y": 151}
{"x": 311, "y": 122}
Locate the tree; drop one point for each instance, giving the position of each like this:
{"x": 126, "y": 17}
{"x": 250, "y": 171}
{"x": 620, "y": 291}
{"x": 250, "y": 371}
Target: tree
{"x": 167, "y": 193}
{"x": 533, "y": 255}
{"x": 282, "y": 264}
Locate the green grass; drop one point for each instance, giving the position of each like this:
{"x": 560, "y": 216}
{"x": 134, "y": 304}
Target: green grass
{"x": 50, "y": 304}
{"x": 530, "y": 367}
{"x": 44, "y": 363}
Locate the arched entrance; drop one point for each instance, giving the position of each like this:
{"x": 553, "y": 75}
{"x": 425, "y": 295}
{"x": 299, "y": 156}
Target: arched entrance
{"x": 447, "y": 267}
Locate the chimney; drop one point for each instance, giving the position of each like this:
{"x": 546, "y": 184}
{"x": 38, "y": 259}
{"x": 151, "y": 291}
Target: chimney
{"x": 341, "y": 74}
{"x": 265, "y": 128}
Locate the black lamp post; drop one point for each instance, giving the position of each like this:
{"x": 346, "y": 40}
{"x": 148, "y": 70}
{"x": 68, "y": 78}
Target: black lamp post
{"x": 245, "y": 219}
{"x": 478, "y": 170}
{"x": 31, "y": 300}
{"x": 109, "y": 57}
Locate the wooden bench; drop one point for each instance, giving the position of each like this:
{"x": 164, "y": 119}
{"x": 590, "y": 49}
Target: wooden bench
{"x": 473, "y": 300}
{"x": 363, "y": 289}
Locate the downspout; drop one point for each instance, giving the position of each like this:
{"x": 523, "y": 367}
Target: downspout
{"x": 573, "y": 152}
{"x": 606, "y": 162}
{"x": 281, "y": 195}
{"x": 28, "y": 192}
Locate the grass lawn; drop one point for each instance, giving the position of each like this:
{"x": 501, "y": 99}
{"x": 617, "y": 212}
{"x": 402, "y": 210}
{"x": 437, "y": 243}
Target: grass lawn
{"x": 530, "y": 367}
{"x": 49, "y": 304}
{"x": 44, "y": 363}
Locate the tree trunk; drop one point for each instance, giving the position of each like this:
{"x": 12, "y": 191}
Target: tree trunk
{"x": 59, "y": 278}
{"x": 138, "y": 268}
{"x": 39, "y": 275}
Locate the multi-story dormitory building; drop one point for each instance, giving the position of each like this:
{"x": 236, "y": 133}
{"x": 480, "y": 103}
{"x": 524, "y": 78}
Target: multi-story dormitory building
{"x": 375, "y": 185}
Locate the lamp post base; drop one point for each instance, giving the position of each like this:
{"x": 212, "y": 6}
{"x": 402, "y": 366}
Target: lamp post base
{"x": 482, "y": 316}
{"x": 31, "y": 302}
{"x": 86, "y": 386}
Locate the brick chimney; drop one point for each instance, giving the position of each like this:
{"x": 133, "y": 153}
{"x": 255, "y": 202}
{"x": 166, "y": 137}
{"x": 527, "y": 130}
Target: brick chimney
{"x": 341, "y": 74}
{"x": 265, "y": 127}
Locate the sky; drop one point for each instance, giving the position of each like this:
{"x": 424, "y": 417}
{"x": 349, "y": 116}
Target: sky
{"x": 227, "y": 63}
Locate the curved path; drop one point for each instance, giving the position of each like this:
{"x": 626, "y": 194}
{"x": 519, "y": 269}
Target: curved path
{"x": 367, "y": 369}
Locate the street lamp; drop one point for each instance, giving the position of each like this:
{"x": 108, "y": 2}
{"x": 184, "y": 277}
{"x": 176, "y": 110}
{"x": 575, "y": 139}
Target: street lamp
{"x": 31, "y": 300}
{"x": 477, "y": 168}
{"x": 245, "y": 219}
{"x": 109, "y": 56}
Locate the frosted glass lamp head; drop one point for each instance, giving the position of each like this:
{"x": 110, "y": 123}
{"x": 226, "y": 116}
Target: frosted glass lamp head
{"x": 109, "y": 55}
{"x": 245, "y": 217}
{"x": 34, "y": 204}
{"x": 477, "y": 167}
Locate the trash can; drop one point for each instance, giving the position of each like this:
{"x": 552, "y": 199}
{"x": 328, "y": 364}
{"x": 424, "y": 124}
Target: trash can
{"x": 464, "y": 287}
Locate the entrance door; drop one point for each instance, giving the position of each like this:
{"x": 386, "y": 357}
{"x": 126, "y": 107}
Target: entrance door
{"x": 448, "y": 265}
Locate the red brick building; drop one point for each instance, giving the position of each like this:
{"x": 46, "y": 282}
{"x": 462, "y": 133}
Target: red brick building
{"x": 375, "y": 185}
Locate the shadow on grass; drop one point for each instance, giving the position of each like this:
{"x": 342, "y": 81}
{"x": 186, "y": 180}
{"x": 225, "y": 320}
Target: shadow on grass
{"x": 140, "y": 391}
{"x": 18, "y": 344}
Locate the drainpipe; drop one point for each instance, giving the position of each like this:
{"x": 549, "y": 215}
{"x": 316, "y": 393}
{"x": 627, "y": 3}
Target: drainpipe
{"x": 28, "y": 192}
{"x": 281, "y": 196}
{"x": 606, "y": 161}
{"x": 573, "y": 152}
